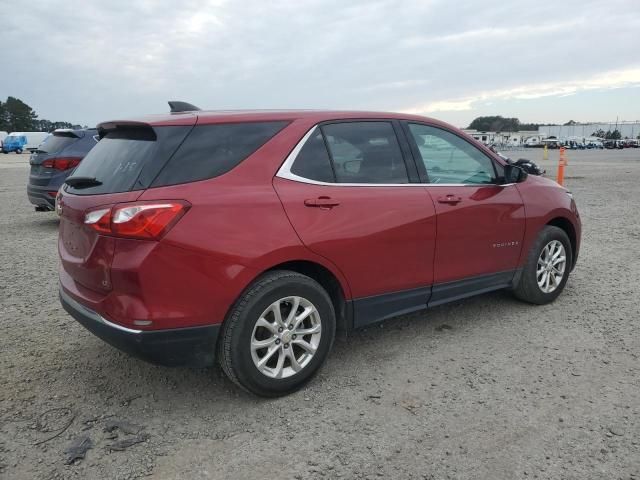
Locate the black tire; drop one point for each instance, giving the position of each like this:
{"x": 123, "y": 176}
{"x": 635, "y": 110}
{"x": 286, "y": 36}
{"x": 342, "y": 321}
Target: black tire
{"x": 234, "y": 351}
{"x": 527, "y": 288}
{"x": 19, "y": 151}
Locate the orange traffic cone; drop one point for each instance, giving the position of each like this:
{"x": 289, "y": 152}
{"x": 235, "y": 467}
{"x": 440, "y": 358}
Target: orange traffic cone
{"x": 561, "y": 164}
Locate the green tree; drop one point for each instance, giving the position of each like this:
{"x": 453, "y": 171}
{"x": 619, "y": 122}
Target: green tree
{"x": 4, "y": 120}
{"x": 599, "y": 133}
{"x": 20, "y": 117}
{"x": 615, "y": 135}
{"x": 497, "y": 123}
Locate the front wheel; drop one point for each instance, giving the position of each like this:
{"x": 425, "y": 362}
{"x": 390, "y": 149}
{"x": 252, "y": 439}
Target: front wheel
{"x": 278, "y": 334}
{"x": 547, "y": 268}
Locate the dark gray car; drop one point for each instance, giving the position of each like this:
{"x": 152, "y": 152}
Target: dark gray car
{"x": 53, "y": 162}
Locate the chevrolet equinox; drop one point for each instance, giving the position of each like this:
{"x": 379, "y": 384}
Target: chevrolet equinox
{"x": 251, "y": 237}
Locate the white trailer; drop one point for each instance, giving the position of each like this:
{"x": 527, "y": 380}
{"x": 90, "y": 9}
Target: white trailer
{"x": 34, "y": 139}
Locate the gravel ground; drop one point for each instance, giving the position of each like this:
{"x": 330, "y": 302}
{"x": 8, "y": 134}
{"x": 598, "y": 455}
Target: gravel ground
{"x": 485, "y": 388}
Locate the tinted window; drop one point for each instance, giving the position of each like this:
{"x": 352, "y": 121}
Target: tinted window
{"x": 55, "y": 143}
{"x": 211, "y": 150}
{"x": 451, "y": 159}
{"x": 128, "y": 158}
{"x": 365, "y": 152}
{"x": 313, "y": 161}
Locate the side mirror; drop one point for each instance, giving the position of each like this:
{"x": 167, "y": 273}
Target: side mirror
{"x": 514, "y": 174}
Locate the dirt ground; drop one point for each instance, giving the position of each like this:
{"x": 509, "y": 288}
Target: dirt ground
{"x": 487, "y": 388}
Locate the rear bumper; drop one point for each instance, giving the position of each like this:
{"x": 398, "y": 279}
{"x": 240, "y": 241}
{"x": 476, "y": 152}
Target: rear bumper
{"x": 40, "y": 197}
{"x": 193, "y": 346}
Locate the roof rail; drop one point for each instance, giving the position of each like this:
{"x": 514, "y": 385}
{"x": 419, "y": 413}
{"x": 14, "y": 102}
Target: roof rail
{"x": 178, "y": 106}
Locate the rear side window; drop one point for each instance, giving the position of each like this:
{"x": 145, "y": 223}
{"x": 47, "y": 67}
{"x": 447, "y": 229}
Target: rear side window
{"x": 313, "y": 161}
{"x": 365, "y": 152}
{"x": 211, "y": 150}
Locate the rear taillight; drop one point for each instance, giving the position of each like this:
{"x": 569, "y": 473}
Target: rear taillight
{"x": 63, "y": 163}
{"x": 140, "y": 220}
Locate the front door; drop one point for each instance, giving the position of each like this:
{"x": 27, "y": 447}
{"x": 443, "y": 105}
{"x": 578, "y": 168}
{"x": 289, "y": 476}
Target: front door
{"x": 480, "y": 222}
{"x": 348, "y": 197}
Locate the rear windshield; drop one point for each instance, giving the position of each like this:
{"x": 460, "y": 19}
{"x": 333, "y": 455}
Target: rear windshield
{"x": 138, "y": 158}
{"x": 128, "y": 159}
{"x": 55, "y": 143}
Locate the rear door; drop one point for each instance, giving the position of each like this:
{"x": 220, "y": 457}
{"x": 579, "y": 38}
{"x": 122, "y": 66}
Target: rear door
{"x": 480, "y": 220}
{"x": 346, "y": 190}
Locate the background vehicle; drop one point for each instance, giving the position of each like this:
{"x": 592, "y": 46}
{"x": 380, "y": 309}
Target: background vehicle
{"x": 255, "y": 235}
{"x": 23, "y": 141}
{"x": 552, "y": 143}
{"x": 53, "y": 161}
{"x": 14, "y": 143}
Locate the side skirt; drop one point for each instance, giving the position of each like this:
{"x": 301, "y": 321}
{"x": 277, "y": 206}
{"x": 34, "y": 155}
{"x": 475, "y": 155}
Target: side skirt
{"x": 369, "y": 310}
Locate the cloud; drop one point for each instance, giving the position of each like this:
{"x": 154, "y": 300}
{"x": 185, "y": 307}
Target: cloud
{"x": 90, "y": 62}
{"x": 602, "y": 81}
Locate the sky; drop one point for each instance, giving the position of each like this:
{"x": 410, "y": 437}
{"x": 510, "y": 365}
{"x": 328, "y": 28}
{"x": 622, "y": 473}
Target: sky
{"x": 540, "y": 61}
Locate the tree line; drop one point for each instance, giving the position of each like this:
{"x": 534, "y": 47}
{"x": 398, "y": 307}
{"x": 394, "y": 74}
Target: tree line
{"x": 17, "y": 116}
{"x": 497, "y": 123}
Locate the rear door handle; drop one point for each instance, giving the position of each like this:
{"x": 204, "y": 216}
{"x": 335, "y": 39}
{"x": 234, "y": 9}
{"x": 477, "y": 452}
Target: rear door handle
{"x": 321, "y": 202}
{"x": 450, "y": 199}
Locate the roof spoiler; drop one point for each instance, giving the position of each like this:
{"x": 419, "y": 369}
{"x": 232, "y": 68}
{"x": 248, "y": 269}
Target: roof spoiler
{"x": 67, "y": 132}
{"x": 177, "y": 106}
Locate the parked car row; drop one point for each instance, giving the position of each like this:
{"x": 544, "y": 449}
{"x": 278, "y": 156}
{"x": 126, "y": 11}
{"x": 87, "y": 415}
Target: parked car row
{"x": 250, "y": 238}
{"x": 620, "y": 144}
{"x": 585, "y": 145}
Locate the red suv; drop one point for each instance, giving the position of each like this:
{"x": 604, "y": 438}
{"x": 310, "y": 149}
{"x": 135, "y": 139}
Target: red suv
{"x": 251, "y": 237}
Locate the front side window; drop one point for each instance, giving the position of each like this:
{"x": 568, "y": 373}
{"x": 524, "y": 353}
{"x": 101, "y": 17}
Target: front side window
{"x": 448, "y": 158}
{"x": 365, "y": 152}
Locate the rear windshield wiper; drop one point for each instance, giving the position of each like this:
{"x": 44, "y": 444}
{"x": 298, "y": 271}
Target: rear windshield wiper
{"x": 82, "y": 182}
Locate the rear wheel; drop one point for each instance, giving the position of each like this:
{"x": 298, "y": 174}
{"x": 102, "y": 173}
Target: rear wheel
{"x": 547, "y": 268}
{"x": 278, "y": 334}
{"x": 19, "y": 151}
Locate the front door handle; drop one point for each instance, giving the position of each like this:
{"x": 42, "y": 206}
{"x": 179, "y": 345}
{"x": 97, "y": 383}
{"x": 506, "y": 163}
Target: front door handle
{"x": 450, "y": 199}
{"x": 321, "y": 202}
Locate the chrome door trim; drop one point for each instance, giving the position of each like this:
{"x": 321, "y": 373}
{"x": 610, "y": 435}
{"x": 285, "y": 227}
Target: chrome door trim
{"x": 285, "y": 172}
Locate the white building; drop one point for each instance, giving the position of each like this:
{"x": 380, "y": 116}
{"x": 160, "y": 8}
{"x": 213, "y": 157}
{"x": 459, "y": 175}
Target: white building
{"x": 586, "y": 130}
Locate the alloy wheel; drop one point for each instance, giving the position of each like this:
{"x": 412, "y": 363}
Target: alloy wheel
{"x": 286, "y": 337}
{"x": 551, "y": 266}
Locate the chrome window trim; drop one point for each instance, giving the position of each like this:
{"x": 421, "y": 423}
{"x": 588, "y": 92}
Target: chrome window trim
{"x": 285, "y": 172}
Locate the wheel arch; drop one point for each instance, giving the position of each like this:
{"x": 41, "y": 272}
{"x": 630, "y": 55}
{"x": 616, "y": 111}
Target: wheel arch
{"x": 567, "y": 226}
{"x": 329, "y": 281}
